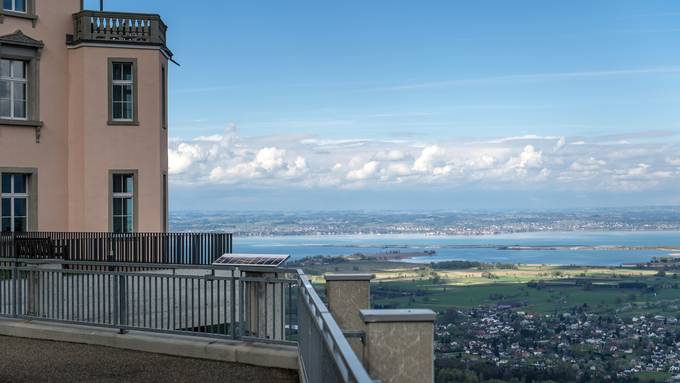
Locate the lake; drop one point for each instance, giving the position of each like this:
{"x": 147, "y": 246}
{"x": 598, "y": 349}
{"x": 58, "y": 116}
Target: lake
{"x": 455, "y": 247}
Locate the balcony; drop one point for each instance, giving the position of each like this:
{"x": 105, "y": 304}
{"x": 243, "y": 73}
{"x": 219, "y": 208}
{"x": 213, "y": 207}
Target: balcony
{"x": 119, "y": 28}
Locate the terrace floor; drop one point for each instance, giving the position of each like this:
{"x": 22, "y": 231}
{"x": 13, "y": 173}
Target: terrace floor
{"x": 30, "y": 360}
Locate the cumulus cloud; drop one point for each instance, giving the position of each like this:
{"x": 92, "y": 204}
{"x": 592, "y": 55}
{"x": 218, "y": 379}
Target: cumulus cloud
{"x": 369, "y": 169}
{"x": 424, "y": 163}
{"x": 512, "y": 162}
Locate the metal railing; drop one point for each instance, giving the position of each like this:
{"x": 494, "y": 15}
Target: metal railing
{"x": 214, "y": 301}
{"x": 166, "y": 248}
{"x": 119, "y": 27}
{"x": 325, "y": 354}
{"x": 275, "y": 305}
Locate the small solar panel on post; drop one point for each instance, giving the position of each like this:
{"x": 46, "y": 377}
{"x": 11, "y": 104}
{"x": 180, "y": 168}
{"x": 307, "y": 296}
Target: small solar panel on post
{"x": 267, "y": 260}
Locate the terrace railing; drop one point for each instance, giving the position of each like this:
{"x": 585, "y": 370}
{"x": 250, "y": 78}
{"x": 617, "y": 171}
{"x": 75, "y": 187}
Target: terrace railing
{"x": 119, "y": 27}
{"x": 259, "y": 304}
{"x": 213, "y": 301}
{"x": 162, "y": 248}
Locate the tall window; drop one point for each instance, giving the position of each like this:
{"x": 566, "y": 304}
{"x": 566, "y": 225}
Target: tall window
{"x": 13, "y": 89}
{"x": 14, "y": 5}
{"x": 122, "y": 91}
{"x": 14, "y": 198}
{"x": 123, "y": 203}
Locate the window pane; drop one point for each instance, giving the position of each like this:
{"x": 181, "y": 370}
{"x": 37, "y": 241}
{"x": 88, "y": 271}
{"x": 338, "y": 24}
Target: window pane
{"x": 127, "y": 110}
{"x": 4, "y": 66}
{"x": 18, "y": 69}
{"x": 127, "y": 93}
{"x": 19, "y": 91}
{"x": 117, "y": 224}
{"x": 117, "y": 71}
{"x": 117, "y": 111}
{"x": 19, "y": 207}
{"x": 6, "y": 224}
{"x": 129, "y": 183}
{"x": 20, "y": 183}
{"x": 20, "y": 224}
{"x": 19, "y": 109}
{"x": 6, "y": 207}
{"x": 4, "y": 89}
{"x": 6, "y": 183}
{"x": 127, "y": 72}
{"x": 128, "y": 206}
{"x": 128, "y": 226}
{"x": 117, "y": 206}
{"x": 117, "y": 93}
{"x": 117, "y": 183}
{"x": 5, "y": 110}
{"x": 20, "y": 5}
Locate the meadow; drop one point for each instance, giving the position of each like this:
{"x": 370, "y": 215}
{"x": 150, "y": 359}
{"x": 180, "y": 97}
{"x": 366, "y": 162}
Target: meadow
{"x": 540, "y": 289}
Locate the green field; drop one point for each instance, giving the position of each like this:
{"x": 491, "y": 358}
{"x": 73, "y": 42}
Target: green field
{"x": 399, "y": 285}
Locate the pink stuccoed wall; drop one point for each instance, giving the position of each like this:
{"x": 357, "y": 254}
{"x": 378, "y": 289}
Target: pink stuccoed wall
{"x": 78, "y": 148}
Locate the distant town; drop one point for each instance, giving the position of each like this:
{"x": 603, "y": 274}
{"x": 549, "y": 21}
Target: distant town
{"x": 427, "y": 223}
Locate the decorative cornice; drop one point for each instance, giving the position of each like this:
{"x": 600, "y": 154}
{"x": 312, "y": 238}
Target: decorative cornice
{"x": 19, "y": 38}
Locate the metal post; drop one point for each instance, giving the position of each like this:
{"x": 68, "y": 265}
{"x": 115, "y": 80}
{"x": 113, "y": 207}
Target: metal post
{"x": 101, "y": 5}
{"x": 121, "y": 303}
{"x": 15, "y": 283}
{"x": 15, "y": 276}
{"x": 234, "y": 281}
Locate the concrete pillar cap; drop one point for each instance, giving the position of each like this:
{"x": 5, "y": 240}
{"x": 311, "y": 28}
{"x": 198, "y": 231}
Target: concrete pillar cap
{"x": 349, "y": 277}
{"x": 408, "y": 315}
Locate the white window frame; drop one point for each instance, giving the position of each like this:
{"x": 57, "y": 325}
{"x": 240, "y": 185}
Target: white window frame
{"x": 12, "y": 196}
{"x": 12, "y": 81}
{"x": 14, "y": 7}
{"x": 126, "y": 195}
{"x": 130, "y": 83}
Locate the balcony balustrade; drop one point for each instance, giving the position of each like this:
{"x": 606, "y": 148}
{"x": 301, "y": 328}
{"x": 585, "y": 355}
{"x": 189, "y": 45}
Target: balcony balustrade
{"x": 116, "y": 27}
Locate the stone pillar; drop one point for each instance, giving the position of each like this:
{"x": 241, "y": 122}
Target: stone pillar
{"x": 399, "y": 345}
{"x": 265, "y": 306}
{"x": 346, "y": 295}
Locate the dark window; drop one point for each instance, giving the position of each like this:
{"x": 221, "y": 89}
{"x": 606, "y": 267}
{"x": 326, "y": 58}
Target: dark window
{"x": 13, "y": 89}
{"x": 123, "y": 203}
{"x": 14, "y": 202}
{"x": 14, "y": 5}
{"x": 122, "y": 91}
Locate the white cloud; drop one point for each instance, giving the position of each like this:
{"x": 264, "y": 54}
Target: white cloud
{"x": 514, "y": 162}
{"x": 369, "y": 169}
{"x": 427, "y": 158}
{"x": 530, "y": 157}
{"x": 270, "y": 158}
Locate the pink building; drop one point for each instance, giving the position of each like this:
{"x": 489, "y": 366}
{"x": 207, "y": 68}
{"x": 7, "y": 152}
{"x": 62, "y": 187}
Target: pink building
{"x": 83, "y": 118}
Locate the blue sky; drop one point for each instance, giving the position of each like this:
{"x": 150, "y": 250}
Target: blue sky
{"x": 427, "y": 105}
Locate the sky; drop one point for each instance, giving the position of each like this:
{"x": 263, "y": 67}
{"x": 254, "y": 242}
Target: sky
{"x": 422, "y": 105}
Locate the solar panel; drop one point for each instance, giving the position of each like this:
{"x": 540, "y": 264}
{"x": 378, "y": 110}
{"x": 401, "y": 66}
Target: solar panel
{"x": 269, "y": 260}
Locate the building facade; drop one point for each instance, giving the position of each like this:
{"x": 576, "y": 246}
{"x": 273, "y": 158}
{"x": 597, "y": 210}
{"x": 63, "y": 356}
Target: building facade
{"x": 83, "y": 118}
